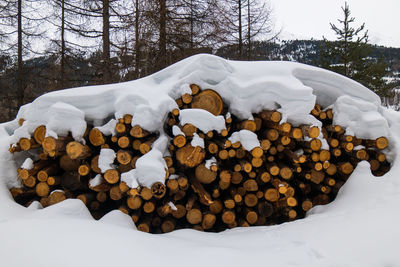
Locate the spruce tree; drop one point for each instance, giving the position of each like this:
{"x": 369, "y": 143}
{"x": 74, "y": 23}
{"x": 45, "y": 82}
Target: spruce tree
{"x": 350, "y": 54}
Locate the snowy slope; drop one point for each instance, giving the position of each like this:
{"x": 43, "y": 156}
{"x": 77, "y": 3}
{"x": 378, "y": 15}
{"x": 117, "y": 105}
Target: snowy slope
{"x": 358, "y": 229}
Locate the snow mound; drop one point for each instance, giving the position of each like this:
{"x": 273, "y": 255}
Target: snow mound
{"x": 246, "y": 87}
{"x": 342, "y": 227}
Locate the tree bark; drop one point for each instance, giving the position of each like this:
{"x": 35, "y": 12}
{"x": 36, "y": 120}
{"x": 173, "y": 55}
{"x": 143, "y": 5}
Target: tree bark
{"x": 106, "y": 42}
{"x": 20, "y": 87}
{"x": 137, "y": 43}
{"x": 163, "y": 35}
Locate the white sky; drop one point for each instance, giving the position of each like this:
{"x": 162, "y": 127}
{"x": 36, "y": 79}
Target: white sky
{"x": 306, "y": 19}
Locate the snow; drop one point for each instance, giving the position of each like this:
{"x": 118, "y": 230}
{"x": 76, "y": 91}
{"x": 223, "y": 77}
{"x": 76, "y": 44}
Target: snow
{"x": 106, "y": 159}
{"x": 197, "y": 141}
{"x": 359, "y": 228}
{"x": 130, "y": 178}
{"x": 202, "y": 119}
{"x": 97, "y": 180}
{"x": 151, "y": 168}
{"x": 173, "y": 207}
{"x": 28, "y": 164}
{"x": 210, "y": 162}
{"x": 177, "y": 131}
{"x": 247, "y": 139}
{"x": 108, "y": 128}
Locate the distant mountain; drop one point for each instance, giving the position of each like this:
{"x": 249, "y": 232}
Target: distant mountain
{"x": 308, "y": 52}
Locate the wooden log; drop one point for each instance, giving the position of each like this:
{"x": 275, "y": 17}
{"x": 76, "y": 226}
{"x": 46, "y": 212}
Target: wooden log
{"x": 50, "y": 144}
{"x": 149, "y": 207}
{"x": 265, "y": 144}
{"x": 310, "y": 131}
{"x": 271, "y": 115}
{"x": 96, "y": 137}
{"x": 380, "y": 143}
{"x": 205, "y": 175}
{"x": 194, "y": 216}
{"x": 112, "y": 176}
{"x": 228, "y": 217}
{"x": 208, "y": 221}
{"x": 27, "y": 143}
{"x": 198, "y": 188}
{"x": 173, "y": 186}
{"x": 236, "y": 177}
{"x": 179, "y": 195}
{"x": 37, "y": 166}
{"x": 120, "y": 129}
{"x": 190, "y": 156}
{"x": 248, "y": 125}
{"x": 271, "y": 195}
{"x": 76, "y": 150}
{"x": 265, "y": 209}
{"x": 345, "y": 167}
{"x": 124, "y": 157}
{"x": 124, "y": 142}
{"x": 179, "y": 141}
{"x": 216, "y": 207}
{"x": 189, "y": 129}
{"x": 42, "y": 189}
{"x": 146, "y": 193}
{"x": 56, "y": 197}
{"x": 39, "y": 134}
{"x": 229, "y": 203}
{"x": 138, "y": 132}
{"x": 317, "y": 176}
{"x": 272, "y": 134}
{"x": 168, "y": 225}
{"x": 306, "y": 205}
{"x": 251, "y": 216}
{"x": 208, "y": 100}
{"x": 94, "y": 164}
{"x": 250, "y": 200}
{"x": 101, "y": 197}
{"x": 250, "y": 185}
{"x": 180, "y": 211}
{"x": 53, "y": 180}
{"x": 286, "y": 172}
{"x": 158, "y": 190}
{"x": 84, "y": 169}
{"x": 71, "y": 180}
{"x": 187, "y": 98}
{"x": 225, "y": 179}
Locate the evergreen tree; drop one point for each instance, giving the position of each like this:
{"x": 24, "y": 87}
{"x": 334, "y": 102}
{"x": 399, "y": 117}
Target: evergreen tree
{"x": 350, "y": 54}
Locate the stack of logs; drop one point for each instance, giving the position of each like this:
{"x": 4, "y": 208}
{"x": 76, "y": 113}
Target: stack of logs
{"x": 290, "y": 171}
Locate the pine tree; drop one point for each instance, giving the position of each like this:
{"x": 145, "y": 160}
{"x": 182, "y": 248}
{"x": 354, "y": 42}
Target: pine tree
{"x": 350, "y": 54}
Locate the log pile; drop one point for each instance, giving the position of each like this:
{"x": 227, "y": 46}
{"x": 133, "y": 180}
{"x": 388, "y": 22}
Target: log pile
{"x": 221, "y": 184}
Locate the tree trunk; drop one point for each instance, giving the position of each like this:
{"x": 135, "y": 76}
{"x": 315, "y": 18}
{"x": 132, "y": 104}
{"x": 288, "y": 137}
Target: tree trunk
{"x": 137, "y": 47}
{"x": 248, "y": 31}
{"x": 62, "y": 70}
{"x": 20, "y": 87}
{"x": 163, "y": 35}
{"x": 240, "y": 29}
{"x": 106, "y": 42}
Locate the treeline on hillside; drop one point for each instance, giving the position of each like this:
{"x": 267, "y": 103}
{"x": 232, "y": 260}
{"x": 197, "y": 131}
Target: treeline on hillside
{"x": 54, "y": 44}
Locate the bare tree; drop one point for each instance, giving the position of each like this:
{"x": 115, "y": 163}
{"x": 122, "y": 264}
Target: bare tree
{"x": 20, "y": 23}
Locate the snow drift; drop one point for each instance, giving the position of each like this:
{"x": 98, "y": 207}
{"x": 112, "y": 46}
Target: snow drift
{"x": 338, "y": 234}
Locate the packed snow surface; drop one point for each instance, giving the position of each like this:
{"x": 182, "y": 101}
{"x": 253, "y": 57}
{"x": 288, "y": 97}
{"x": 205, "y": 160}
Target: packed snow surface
{"x": 359, "y": 228}
{"x": 247, "y": 139}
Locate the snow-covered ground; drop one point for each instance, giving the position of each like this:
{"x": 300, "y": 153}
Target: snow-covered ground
{"x": 359, "y": 228}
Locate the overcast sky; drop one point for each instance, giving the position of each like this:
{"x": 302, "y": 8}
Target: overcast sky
{"x": 305, "y": 19}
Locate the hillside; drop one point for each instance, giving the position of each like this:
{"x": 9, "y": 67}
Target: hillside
{"x": 41, "y": 74}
